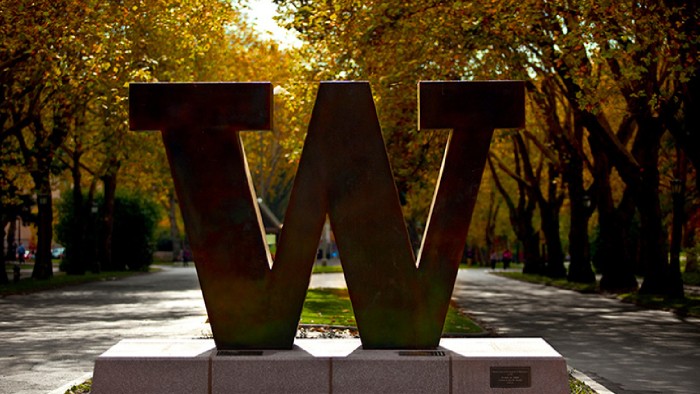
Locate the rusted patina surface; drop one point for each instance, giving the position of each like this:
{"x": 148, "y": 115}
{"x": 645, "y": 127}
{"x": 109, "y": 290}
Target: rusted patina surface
{"x": 344, "y": 172}
{"x": 200, "y": 125}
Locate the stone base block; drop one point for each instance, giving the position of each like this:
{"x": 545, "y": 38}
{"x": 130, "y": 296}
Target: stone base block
{"x": 269, "y": 371}
{"x": 392, "y": 371}
{"x": 470, "y": 365}
{"x": 506, "y": 365}
{"x": 154, "y": 366}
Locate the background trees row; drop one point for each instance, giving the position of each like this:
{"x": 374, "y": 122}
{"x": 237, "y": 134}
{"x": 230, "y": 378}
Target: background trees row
{"x": 608, "y": 83}
{"x": 65, "y": 69}
{"x": 612, "y": 103}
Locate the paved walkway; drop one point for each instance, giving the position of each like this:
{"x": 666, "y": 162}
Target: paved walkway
{"x": 51, "y": 338}
{"x": 623, "y": 347}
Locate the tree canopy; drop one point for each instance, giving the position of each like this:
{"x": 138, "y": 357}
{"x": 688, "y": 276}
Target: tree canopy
{"x": 607, "y": 80}
{"x": 612, "y": 102}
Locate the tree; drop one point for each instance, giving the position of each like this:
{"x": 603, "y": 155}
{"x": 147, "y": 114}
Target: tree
{"x": 163, "y": 42}
{"x": 592, "y": 52}
{"x": 57, "y": 76}
{"x": 521, "y": 215}
{"x": 564, "y": 147}
{"x": 135, "y": 220}
{"x": 14, "y": 202}
{"x": 43, "y": 44}
{"x": 64, "y": 76}
{"x": 682, "y": 117}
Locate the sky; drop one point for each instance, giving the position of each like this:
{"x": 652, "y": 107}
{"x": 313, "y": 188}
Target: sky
{"x": 261, "y": 13}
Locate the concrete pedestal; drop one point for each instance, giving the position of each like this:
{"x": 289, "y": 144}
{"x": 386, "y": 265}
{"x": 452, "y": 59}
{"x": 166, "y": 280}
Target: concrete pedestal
{"x": 464, "y": 365}
{"x": 154, "y": 366}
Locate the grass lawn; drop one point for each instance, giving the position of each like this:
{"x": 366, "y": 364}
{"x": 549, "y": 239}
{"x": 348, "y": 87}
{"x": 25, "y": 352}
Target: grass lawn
{"x": 333, "y": 307}
{"x": 575, "y": 386}
{"x": 691, "y": 278}
{"x": 328, "y": 269}
{"x": 688, "y": 306}
{"x": 328, "y": 307}
{"x": 547, "y": 281}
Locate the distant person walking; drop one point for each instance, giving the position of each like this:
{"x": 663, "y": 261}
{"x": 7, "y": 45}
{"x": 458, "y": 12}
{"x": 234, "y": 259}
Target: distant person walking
{"x": 20, "y": 253}
{"x": 494, "y": 260}
{"x": 507, "y": 258}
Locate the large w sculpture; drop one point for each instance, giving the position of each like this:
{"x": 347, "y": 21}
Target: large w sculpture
{"x": 399, "y": 301}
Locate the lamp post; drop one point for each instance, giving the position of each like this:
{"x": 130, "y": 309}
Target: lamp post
{"x": 676, "y": 281}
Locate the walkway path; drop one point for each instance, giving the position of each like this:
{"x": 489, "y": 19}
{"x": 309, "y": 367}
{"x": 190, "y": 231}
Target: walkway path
{"x": 51, "y": 338}
{"x": 623, "y": 347}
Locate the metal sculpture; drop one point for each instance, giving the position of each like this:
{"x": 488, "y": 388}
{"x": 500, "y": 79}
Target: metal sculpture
{"x": 344, "y": 172}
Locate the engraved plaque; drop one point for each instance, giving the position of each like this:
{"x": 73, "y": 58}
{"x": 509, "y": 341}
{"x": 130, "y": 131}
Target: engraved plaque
{"x": 510, "y": 377}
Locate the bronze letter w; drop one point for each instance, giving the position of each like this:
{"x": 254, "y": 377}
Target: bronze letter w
{"x": 399, "y": 301}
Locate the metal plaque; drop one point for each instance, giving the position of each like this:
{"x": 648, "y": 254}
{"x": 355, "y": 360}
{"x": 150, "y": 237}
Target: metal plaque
{"x": 511, "y": 377}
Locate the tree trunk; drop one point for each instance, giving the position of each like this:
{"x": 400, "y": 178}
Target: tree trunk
{"x": 691, "y": 263}
{"x": 675, "y": 278}
{"x": 550, "y": 227}
{"x": 490, "y": 233}
{"x": 40, "y": 158}
{"x": 653, "y": 238}
{"x": 43, "y": 268}
{"x": 531, "y": 250}
{"x": 581, "y": 203}
{"x": 521, "y": 220}
{"x": 10, "y": 237}
{"x": 77, "y": 264}
{"x": 3, "y": 275}
{"x": 174, "y": 230}
{"x": 580, "y": 269}
{"x": 549, "y": 214}
{"x": 110, "y": 189}
{"x": 617, "y": 267}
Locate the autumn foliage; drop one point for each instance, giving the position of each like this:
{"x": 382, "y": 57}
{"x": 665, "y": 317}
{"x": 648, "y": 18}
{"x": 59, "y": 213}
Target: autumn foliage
{"x": 612, "y": 104}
